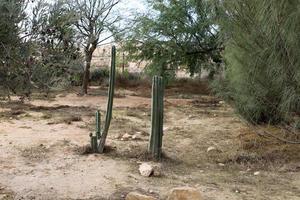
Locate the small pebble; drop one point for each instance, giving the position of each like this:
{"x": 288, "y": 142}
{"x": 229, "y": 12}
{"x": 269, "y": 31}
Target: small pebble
{"x": 256, "y": 173}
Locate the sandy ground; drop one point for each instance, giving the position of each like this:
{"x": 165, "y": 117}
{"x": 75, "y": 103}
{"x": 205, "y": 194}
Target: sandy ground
{"x": 42, "y": 141}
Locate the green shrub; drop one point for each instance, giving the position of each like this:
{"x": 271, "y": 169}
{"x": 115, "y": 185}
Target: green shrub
{"x": 262, "y": 55}
{"x": 161, "y": 69}
{"x": 76, "y": 79}
{"x": 132, "y": 80}
{"x": 297, "y": 124}
{"x": 99, "y": 74}
{"x": 219, "y": 87}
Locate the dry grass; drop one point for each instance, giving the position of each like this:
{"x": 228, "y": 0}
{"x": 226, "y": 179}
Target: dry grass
{"x": 35, "y": 154}
{"x": 257, "y": 151}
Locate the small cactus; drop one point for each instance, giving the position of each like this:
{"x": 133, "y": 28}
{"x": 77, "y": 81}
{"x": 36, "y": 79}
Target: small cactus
{"x": 94, "y": 143}
{"x": 101, "y": 136}
{"x": 157, "y": 115}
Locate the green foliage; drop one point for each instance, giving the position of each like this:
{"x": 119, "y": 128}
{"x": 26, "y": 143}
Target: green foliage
{"x": 59, "y": 58}
{"x": 97, "y": 75}
{"x": 76, "y": 79}
{"x": 219, "y": 87}
{"x": 14, "y": 63}
{"x": 37, "y": 51}
{"x": 263, "y": 60}
{"x": 174, "y": 34}
{"x": 156, "y": 69}
{"x": 128, "y": 79}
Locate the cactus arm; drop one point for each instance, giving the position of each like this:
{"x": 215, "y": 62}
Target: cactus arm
{"x": 98, "y": 124}
{"x": 111, "y": 89}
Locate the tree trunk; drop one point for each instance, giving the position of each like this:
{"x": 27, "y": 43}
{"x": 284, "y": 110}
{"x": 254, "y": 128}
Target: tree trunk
{"x": 86, "y": 75}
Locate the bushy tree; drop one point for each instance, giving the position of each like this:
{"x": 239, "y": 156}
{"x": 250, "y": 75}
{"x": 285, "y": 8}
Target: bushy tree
{"x": 262, "y": 55}
{"x": 13, "y": 58}
{"x": 39, "y": 50}
{"x": 57, "y": 53}
{"x": 176, "y": 33}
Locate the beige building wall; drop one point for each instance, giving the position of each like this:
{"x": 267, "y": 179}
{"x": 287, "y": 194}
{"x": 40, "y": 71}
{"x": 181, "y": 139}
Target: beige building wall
{"x": 102, "y": 59}
{"x": 102, "y": 56}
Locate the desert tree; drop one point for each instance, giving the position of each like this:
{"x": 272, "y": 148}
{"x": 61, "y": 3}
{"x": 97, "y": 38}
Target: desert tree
{"x": 176, "y": 33}
{"x": 51, "y": 45}
{"x": 95, "y": 22}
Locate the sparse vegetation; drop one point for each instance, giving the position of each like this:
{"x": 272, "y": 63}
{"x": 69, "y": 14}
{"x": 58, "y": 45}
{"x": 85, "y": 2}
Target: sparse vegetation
{"x": 230, "y": 116}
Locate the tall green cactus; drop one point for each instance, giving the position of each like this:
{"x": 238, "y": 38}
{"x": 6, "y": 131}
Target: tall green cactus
{"x": 102, "y": 136}
{"x": 157, "y": 115}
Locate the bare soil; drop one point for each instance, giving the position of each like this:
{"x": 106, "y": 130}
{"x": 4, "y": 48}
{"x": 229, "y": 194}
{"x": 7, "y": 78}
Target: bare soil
{"x": 42, "y": 145}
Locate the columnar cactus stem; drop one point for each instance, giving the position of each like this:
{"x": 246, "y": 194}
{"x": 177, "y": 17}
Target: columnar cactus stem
{"x": 111, "y": 89}
{"x": 102, "y": 136}
{"x": 157, "y": 113}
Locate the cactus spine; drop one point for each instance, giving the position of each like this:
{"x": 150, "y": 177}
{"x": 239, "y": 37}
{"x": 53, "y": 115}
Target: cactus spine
{"x": 99, "y": 148}
{"x": 157, "y": 113}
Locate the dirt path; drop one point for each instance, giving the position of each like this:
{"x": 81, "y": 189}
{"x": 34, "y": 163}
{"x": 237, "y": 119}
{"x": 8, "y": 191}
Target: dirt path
{"x": 41, "y": 147}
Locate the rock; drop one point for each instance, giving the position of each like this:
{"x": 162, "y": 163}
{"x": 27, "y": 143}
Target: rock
{"x": 237, "y": 191}
{"x": 136, "y": 137}
{"x": 212, "y": 149}
{"x": 256, "y": 173}
{"x": 138, "y": 196}
{"x": 126, "y": 136}
{"x": 166, "y": 129}
{"x": 157, "y": 170}
{"x": 221, "y": 164}
{"x": 185, "y": 193}
{"x": 117, "y": 137}
{"x": 142, "y": 134}
{"x": 151, "y": 191}
{"x": 151, "y": 169}
{"x": 146, "y": 169}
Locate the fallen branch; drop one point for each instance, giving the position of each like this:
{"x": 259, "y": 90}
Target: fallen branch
{"x": 264, "y": 132}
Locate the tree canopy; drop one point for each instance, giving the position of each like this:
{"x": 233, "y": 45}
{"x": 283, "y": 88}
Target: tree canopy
{"x": 176, "y": 33}
{"x": 95, "y": 23}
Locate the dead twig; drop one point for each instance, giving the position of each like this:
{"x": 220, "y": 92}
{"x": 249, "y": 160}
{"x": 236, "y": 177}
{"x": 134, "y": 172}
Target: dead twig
{"x": 263, "y": 133}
